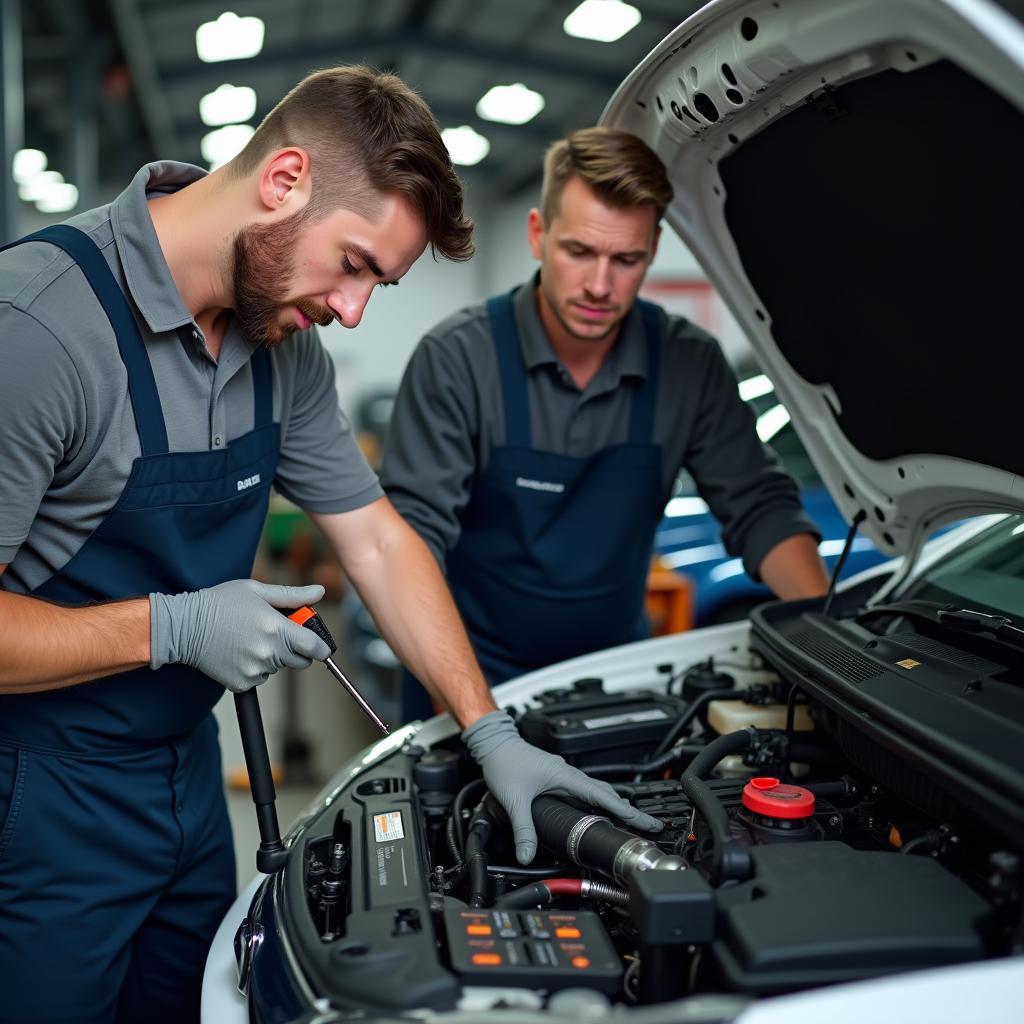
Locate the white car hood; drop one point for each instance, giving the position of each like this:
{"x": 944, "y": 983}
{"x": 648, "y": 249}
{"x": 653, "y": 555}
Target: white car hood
{"x": 849, "y": 175}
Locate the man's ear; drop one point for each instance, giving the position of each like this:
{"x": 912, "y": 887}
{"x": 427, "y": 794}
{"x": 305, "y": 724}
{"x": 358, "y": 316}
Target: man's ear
{"x": 535, "y": 230}
{"x": 285, "y": 183}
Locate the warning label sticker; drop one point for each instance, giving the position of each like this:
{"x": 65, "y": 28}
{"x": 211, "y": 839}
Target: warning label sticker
{"x": 388, "y": 826}
{"x": 629, "y": 718}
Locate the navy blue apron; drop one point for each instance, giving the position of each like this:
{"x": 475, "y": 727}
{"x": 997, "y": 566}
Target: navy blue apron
{"x": 553, "y": 556}
{"x": 116, "y": 862}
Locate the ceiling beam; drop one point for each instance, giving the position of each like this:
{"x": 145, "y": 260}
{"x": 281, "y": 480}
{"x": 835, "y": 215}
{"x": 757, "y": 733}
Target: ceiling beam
{"x": 357, "y": 48}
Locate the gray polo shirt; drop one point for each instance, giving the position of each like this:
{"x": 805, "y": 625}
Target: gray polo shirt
{"x": 449, "y": 415}
{"x": 67, "y": 431}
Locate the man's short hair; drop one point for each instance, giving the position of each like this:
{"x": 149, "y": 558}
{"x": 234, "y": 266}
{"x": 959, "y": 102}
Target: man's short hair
{"x": 367, "y": 133}
{"x": 620, "y": 168}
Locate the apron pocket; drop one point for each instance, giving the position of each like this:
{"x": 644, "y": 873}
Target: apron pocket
{"x": 13, "y": 772}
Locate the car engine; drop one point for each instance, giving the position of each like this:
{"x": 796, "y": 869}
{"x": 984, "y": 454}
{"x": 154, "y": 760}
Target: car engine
{"x": 802, "y": 845}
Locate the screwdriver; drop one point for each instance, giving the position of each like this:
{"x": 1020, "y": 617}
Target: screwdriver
{"x": 308, "y": 619}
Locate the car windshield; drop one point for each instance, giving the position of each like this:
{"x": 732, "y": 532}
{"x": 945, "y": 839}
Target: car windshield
{"x": 986, "y": 575}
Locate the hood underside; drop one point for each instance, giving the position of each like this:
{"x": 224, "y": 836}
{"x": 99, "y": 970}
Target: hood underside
{"x": 848, "y": 175}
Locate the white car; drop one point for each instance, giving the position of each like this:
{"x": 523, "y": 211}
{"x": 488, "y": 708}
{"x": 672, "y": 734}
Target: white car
{"x": 842, "y": 782}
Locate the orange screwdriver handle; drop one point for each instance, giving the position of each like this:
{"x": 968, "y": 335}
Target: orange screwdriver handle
{"x": 308, "y": 619}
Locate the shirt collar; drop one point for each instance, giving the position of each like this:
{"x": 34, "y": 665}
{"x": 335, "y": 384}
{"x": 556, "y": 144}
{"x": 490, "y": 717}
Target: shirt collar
{"x": 627, "y": 358}
{"x": 149, "y": 279}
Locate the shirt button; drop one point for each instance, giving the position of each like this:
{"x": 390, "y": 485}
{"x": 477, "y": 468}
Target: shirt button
{"x": 218, "y": 440}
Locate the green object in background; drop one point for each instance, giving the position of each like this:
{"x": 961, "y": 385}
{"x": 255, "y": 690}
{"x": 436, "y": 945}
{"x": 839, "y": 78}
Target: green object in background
{"x": 285, "y": 521}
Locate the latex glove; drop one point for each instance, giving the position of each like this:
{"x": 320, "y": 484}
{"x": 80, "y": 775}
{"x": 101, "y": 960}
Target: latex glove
{"x": 234, "y": 632}
{"x": 518, "y": 772}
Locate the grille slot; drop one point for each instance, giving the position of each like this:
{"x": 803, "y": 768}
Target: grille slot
{"x": 937, "y": 649}
{"x": 840, "y": 659}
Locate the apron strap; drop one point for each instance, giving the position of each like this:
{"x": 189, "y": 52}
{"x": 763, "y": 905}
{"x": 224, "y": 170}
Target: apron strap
{"x": 511, "y": 371}
{"x": 149, "y": 418}
{"x": 641, "y": 419}
{"x": 262, "y": 388}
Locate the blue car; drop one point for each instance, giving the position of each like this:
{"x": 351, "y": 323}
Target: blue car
{"x": 689, "y": 539}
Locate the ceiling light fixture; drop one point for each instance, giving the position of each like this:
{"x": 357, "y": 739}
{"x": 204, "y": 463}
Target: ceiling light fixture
{"x": 229, "y": 38}
{"x": 510, "y": 104}
{"x": 227, "y": 104}
{"x": 465, "y": 146}
{"x": 603, "y": 20}
{"x": 27, "y": 163}
{"x": 220, "y": 145}
{"x": 34, "y": 188}
{"x": 59, "y": 198}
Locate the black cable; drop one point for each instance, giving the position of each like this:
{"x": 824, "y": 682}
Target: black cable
{"x": 646, "y": 767}
{"x": 517, "y": 871}
{"x": 857, "y": 520}
{"x": 691, "y": 712}
{"x": 460, "y": 800}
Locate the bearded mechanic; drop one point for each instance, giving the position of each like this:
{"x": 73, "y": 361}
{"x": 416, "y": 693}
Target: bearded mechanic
{"x": 536, "y": 438}
{"x": 158, "y": 372}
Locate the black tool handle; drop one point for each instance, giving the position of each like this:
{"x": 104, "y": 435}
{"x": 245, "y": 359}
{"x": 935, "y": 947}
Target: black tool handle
{"x": 271, "y": 855}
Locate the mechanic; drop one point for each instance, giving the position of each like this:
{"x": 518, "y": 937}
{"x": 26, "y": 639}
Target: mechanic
{"x": 535, "y": 438}
{"x": 158, "y": 371}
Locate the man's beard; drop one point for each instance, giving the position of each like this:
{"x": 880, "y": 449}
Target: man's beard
{"x": 263, "y": 265}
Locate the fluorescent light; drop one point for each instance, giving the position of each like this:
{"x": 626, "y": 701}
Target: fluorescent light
{"x": 59, "y": 198}
{"x": 220, "y": 145}
{"x": 603, "y": 20}
{"x": 689, "y": 556}
{"x": 36, "y": 187}
{"x": 227, "y": 104}
{"x": 465, "y": 146}
{"x": 771, "y": 422}
{"x": 510, "y": 104}
{"x": 229, "y": 38}
{"x": 27, "y": 163}
{"x": 686, "y": 507}
{"x": 755, "y": 387}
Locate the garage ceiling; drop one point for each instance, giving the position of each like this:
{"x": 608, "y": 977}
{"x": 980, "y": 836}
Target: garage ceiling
{"x": 130, "y": 68}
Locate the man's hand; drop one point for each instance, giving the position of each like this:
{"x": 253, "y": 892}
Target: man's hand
{"x": 517, "y": 772}
{"x": 235, "y": 632}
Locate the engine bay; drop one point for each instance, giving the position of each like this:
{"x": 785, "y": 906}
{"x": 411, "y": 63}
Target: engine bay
{"x": 798, "y": 850}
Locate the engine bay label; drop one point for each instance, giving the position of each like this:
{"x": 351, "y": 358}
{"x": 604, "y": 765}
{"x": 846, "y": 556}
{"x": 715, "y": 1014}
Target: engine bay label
{"x": 651, "y": 715}
{"x": 387, "y": 827}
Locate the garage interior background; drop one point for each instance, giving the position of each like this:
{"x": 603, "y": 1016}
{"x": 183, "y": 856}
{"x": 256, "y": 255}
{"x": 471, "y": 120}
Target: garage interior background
{"x": 102, "y": 86}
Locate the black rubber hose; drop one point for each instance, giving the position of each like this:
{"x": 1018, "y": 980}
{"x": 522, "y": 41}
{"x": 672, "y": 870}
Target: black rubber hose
{"x": 656, "y": 764}
{"x": 476, "y": 859}
{"x": 728, "y": 860}
{"x": 691, "y": 712}
{"x": 480, "y": 827}
{"x": 597, "y": 848}
{"x": 461, "y": 797}
{"x": 525, "y": 896}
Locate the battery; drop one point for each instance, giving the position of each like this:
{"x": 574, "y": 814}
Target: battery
{"x": 587, "y": 726}
{"x": 539, "y": 949}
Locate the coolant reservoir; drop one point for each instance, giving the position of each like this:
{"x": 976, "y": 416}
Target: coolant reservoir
{"x": 725, "y": 716}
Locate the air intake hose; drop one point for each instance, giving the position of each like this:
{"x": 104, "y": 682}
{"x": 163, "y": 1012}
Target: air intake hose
{"x": 594, "y": 842}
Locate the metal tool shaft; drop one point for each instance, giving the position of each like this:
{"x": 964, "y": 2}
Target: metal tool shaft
{"x": 357, "y": 696}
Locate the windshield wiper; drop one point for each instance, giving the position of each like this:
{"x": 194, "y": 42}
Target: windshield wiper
{"x": 964, "y": 620}
{"x": 971, "y": 621}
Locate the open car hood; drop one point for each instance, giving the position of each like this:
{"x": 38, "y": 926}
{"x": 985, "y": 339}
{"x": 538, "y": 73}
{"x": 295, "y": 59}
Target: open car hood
{"x": 849, "y": 176}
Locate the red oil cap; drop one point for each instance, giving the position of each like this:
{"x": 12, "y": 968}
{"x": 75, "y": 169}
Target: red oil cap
{"x": 768, "y": 796}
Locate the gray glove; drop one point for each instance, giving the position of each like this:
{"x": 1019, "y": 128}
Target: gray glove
{"x": 234, "y": 632}
{"x": 517, "y": 773}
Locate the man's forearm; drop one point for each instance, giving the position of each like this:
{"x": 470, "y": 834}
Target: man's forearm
{"x": 45, "y": 646}
{"x": 794, "y": 569}
{"x": 399, "y": 581}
